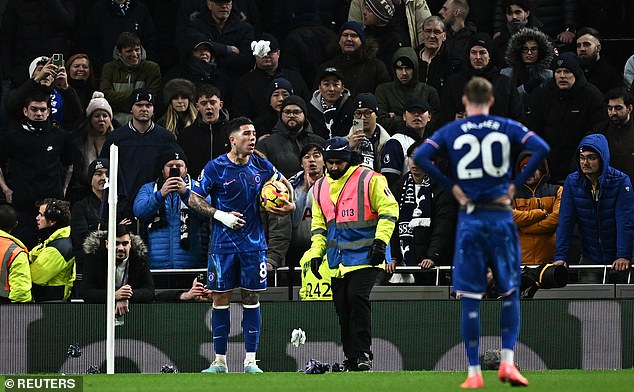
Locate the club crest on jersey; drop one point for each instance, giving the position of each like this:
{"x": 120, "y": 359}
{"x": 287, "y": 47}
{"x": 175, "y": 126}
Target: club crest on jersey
{"x": 386, "y": 158}
{"x": 257, "y": 178}
{"x": 211, "y": 277}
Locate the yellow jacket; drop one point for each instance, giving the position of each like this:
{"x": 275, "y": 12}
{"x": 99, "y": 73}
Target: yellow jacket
{"x": 18, "y": 275}
{"x": 53, "y": 263}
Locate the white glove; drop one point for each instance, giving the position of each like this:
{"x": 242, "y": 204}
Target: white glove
{"x": 260, "y": 48}
{"x": 298, "y": 337}
{"x": 226, "y": 218}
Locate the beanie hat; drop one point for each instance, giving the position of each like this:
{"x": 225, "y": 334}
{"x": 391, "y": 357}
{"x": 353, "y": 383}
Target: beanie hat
{"x": 98, "y": 102}
{"x": 41, "y": 60}
{"x": 366, "y": 101}
{"x": 172, "y": 152}
{"x": 569, "y": 61}
{"x": 141, "y": 94}
{"x": 99, "y": 163}
{"x": 338, "y": 148}
{"x": 294, "y": 100}
{"x": 383, "y": 9}
{"x": 354, "y": 26}
{"x": 482, "y": 39}
{"x": 403, "y": 61}
{"x": 523, "y": 4}
{"x": 279, "y": 83}
{"x": 176, "y": 87}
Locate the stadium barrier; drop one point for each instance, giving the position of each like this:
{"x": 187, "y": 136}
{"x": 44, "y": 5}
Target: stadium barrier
{"x": 408, "y": 335}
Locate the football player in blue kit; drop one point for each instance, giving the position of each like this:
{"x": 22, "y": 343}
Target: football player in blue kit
{"x": 478, "y": 148}
{"x": 237, "y": 249}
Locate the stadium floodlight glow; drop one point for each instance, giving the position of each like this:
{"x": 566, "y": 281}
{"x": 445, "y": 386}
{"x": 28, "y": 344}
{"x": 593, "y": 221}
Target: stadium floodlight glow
{"x": 112, "y": 236}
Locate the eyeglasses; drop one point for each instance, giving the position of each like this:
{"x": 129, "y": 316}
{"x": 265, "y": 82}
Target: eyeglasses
{"x": 364, "y": 114}
{"x": 122, "y": 243}
{"x": 530, "y": 50}
{"x": 433, "y": 32}
{"x": 290, "y": 112}
{"x": 349, "y": 35}
{"x": 588, "y": 158}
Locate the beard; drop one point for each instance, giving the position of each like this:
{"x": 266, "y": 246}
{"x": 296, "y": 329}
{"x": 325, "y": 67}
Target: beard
{"x": 589, "y": 60}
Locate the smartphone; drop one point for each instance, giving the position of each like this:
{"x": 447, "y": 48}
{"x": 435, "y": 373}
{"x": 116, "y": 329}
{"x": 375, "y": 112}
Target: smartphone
{"x": 201, "y": 278}
{"x": 357, "y": 125}
{"x": 58, "y": 59}
{"x": 175, "y": 172}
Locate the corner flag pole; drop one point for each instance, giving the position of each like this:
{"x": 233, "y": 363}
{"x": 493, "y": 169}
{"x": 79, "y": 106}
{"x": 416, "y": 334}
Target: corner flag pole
{"x": 112, "y": 237}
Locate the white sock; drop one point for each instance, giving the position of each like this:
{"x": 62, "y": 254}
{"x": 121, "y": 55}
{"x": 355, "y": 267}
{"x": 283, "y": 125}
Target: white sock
{"x": 507, "y": 356}
{"x": 221, "y": 358}
{"x": 473, "y": 370}
{"x": 249, "y": 358}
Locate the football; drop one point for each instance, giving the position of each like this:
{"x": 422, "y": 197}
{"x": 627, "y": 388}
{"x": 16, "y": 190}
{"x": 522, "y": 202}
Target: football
{"x": 272, "y": 194}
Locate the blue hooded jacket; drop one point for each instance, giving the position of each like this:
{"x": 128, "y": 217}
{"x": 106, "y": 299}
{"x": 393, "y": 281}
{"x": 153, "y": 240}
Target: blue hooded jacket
{"x": 604, "y": 221}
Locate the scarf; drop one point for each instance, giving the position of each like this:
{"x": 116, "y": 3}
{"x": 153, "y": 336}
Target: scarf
{"x": 160, "y": 220}
{"x": 31, "y": 126}
{"x": 415, "y": 211}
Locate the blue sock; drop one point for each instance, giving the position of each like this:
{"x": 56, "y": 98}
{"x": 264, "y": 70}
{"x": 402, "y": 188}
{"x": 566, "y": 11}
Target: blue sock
{"x": 510, "y": 320}
{"x": 220, "y": 326}
{"x": 470, "y": 324}
{"x": 251, "y": 324}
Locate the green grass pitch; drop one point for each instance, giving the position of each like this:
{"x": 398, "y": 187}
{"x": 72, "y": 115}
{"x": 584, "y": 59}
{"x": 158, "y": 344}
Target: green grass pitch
{"x": 422, "y": 381}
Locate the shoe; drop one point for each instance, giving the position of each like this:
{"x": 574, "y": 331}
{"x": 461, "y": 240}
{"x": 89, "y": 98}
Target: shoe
{"x": 349, "y": 365}
{"x": 252, "y": 367}
{"x": 509, "y": 373}
{"x": 364, "y": 363}
{"x": 473, "y": 382}
{"x": 216, "y": 367}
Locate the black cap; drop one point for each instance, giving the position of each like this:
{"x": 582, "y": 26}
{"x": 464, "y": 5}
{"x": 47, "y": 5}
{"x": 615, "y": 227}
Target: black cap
{"x": 331, "y": 71}
{"x": 417, "y": 102}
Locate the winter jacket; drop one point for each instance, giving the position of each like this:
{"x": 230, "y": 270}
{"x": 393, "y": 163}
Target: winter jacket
{"x": 16, "y": 285}
{"x": 536, "y": 213}
{"x": 501, "y": 42}
{"x": 436, "y": 71}
{"x": 603, "y": 75}
{"x": 84, "y": 219}
{"x": 342, "y": 120}
{"x": 603, "y": 220}
{"x": 362, "y": 70}
{"x": 456, "y": 48}
{"x": 388, "y": 38}
{"x": 164, "y": 242}
{"x": 282, "y": 148}
{"x": 95, "y": 278}
{"x": 563, "y": 118}
{"x": 214, "y": 137}
{"x": 382, "y": 136}
{"x": 53, "y": 267}
{"x": 621, "y": 142}
{"x": 392, "y": 96}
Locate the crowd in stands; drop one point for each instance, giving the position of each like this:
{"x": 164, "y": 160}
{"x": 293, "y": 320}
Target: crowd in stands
{"x": 161, "y": 80}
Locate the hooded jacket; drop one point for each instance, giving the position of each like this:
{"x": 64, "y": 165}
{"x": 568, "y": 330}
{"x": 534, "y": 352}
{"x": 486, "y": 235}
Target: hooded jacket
{"x": 94, "y": 280}
{"x": 53, "y": 267}
{"x": 392, "y": 96}
{"x": 214, "y": 137}
{"x": 603, "y": 219}
{"x": 536, "y": 213}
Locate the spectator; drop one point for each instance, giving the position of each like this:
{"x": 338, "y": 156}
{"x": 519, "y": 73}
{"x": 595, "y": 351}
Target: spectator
{"x": 278, "y": 90}
{"x": 596, "y": 68}
{"x": 424, "y": 235}
{"x": 409, "y": 16}
{"x": 392, "y": 95}
{"x": 15, "y": 261}
{"x": 140, "y": 142}
{"x": 628, "y": 72}
{"x": 368, "y": 139}
{"x": 453, "y": 13}
{"x": 536, "y": 213}
{"x": 355, "y": 57}
{"x": 378, "y": 25}
{"x": 81, "y": 77}
{"x": 127, "y": 72}
{"x": 251, "y": 88}
{"x": 529, "y": 54}
{"x": 507, "y": 101}
{"x": 52, "y": 261}
{"x": 361, "y": 240}
{"x": 564, "y": 111}
{"x": 598, "y": 199}
{"x": 198, "y": 292}
{"x": 518, "y": 16}
{"x": 38, "y": 159}
{"x": 88, "y": 141}
{"x": 230, "y": 35}
{"x": 133, "y": 280}
{"x": 329, "y": 110}
{"x": 209, "y": 130}
{"x": 178, "y": 97}
{"x": 432, "y": 53}
{"x": 174, "y": 237}
{"x": 620, "y": 133}
{"x": 394, "y": 161}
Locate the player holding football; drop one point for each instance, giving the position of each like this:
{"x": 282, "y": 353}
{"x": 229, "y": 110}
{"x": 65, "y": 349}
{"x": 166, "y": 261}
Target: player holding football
{"x": 237, "y": 250}
{"x": 479, "y": 151}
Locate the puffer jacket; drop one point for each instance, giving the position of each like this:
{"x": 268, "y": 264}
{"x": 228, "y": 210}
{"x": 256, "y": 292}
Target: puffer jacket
{"x": 536, "y": 213}
{"x": 603, "y": 220}
{"x": 165, "y": 250}
{"x": 392, "y": 96}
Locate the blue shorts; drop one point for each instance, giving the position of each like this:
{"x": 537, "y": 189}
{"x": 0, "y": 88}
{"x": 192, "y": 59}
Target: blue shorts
{"x": 227, "y": 271}
{"x": 486, "y": 238}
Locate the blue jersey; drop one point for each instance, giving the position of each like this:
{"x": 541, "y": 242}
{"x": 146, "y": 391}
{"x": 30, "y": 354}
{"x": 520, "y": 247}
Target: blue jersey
{"x": 236, "y": 188}
{"x": 479, "y": 150}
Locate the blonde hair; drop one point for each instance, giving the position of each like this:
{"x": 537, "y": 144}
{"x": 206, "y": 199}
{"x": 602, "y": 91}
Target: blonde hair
{"x": 172, "y": 117}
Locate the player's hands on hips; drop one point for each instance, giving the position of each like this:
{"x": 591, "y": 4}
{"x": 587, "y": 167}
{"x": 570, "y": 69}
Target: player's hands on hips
{"x": 232, "y": 220}
{"x": 621, "y": 264}
{"x": 315, "y": 263}
{"x": 377, "y": 252}
{"x": 460, "y": 196}
{"x": 286, "y": 208}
